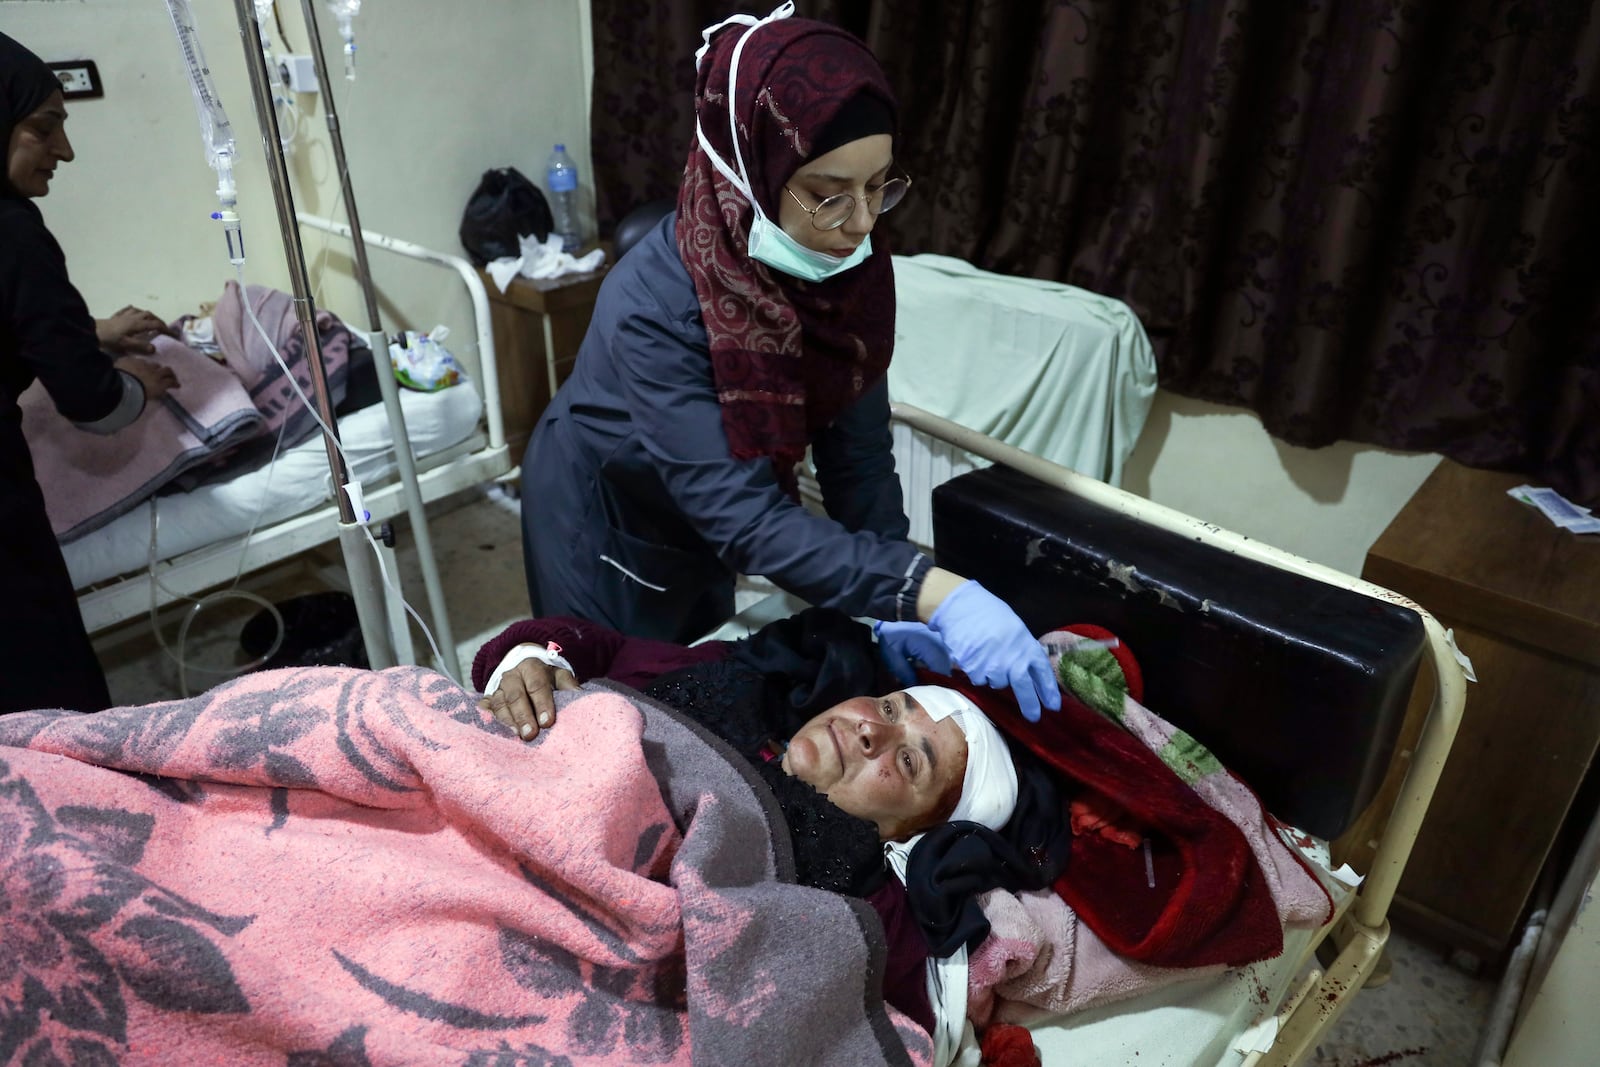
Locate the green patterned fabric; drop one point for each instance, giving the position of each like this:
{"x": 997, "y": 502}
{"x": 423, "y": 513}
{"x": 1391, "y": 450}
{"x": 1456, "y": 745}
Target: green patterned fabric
{"x": 1093, "y": 675}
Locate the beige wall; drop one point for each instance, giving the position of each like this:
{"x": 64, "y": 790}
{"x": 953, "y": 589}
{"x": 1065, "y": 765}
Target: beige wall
{"x": 1219, "y": 464}
{"x": 444, "y": 91}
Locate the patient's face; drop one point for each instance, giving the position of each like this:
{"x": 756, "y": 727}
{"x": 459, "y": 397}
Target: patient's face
{"x": 884, "y": 760}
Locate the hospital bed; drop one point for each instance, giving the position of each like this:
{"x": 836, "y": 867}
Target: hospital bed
{"x": 207, "y": 536}
{"x": 1295, "y": 675}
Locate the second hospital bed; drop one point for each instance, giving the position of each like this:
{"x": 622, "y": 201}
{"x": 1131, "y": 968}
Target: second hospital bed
{"x": 207, "y": 536}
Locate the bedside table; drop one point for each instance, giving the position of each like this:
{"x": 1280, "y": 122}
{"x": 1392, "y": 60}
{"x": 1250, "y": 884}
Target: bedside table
{"x": 1523, "y": 597}
{"x": 538, "y": 326}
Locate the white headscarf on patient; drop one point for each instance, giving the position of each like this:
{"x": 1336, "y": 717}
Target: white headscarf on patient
{"x": 989, "y": 788}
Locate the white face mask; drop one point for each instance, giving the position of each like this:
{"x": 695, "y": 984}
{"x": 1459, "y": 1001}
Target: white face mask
{"x": 768, "y": 242}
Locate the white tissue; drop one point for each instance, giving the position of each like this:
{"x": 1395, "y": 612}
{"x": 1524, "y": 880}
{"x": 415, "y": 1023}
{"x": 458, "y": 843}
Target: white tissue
{"x": 1461, "y": 657}
{"x": 543, "y": 259}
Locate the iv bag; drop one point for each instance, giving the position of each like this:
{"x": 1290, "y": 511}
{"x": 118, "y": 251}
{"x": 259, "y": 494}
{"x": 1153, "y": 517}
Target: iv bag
{"x": 215, "y": 130}
{"x": 345, "y": 12}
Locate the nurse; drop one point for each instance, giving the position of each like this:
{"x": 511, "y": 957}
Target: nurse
{"x": 755, "y": 321}
{"x": 46, "y": 332}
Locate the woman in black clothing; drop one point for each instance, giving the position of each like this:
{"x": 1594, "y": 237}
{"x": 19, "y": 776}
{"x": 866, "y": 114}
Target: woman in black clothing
{"x": 46, "y": 333}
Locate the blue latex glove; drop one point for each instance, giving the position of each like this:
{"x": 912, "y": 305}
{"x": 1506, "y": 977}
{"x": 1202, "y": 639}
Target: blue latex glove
{"x": 903, "y": 645}
{"x": 994, "y": 647}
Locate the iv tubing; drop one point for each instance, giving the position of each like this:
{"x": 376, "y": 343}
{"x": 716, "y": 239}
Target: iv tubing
{"x": 380, "y": 649}
{"x": 414, "y": 494}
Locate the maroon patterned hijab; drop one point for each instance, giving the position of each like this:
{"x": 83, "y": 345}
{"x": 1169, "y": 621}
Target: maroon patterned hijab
{"x": 787, "y": 356}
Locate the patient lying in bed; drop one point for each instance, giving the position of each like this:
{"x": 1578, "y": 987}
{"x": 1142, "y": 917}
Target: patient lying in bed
{"x": 850, "y": 772}
{"x": 1174, "y": 864}
{"x": 251, "y": 869}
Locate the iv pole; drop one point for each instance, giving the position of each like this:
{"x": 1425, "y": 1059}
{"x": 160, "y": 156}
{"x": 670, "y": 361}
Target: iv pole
{"x": 391, "y": 394}
{"x": 366, "y": 586}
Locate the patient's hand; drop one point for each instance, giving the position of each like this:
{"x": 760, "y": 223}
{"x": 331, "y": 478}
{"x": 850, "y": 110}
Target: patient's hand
{"x": 526, "y": 700}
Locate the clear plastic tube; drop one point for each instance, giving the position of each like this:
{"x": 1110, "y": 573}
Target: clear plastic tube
{"x": 215, "y": 130}
{"x": 345, "y": 11}
{"x": 311, "y": 408}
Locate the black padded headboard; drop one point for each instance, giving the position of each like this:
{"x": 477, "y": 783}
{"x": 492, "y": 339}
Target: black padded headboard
{"x": 1297, "y": 686}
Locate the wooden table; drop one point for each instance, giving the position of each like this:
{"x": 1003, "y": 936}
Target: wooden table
{"x": 538, "y": 326}
{"x": 1523, "y": 597}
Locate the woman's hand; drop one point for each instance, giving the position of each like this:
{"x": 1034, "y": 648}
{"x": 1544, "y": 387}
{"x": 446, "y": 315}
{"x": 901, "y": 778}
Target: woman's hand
{"x": 994, "y": 647}
{"x": 526, "y": 700}
{"x": 156, "y": 379}
{"x": 128, "y": 332}
{"x": 904, "y": 645}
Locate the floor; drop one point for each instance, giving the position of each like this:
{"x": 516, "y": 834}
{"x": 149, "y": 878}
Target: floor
{"x": 1427, "y": 1015}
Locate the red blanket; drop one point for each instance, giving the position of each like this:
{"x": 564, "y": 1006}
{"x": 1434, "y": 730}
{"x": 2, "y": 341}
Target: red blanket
{"x": 334, "y": 866}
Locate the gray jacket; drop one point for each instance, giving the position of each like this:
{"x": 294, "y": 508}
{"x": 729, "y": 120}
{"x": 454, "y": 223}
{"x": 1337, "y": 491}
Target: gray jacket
{"x": 630, "y": 491}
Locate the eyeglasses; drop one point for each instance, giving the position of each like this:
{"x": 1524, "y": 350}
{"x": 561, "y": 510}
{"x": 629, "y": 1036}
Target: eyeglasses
{"x": 836, "y": 210}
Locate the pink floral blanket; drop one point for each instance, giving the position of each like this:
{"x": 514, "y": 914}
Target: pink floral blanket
{"x": 324, "y": 865}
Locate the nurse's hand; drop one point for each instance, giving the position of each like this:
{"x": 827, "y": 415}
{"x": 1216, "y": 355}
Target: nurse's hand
{"x": 128, "y": 332}
{"x": 525, "y": 699}
{"x": 156, "y": 379}
{"x": 994, "y": 647}
{"x": 903, "y": 645}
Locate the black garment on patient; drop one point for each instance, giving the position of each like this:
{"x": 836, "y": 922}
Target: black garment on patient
{"x": 46, "y": 332}
{"x": 770, "y": 686}
{"x": 779, "y": 678}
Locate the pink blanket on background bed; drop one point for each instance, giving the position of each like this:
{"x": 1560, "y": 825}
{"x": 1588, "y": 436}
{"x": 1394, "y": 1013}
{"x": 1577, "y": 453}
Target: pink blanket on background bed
{"x": 250, "y": 357}
{"x": 338, "y": 866}
{"x": 90, "y": 479}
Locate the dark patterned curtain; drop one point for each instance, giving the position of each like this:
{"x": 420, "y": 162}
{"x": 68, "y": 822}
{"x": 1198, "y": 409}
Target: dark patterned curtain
{"x": 1374, "y": 220}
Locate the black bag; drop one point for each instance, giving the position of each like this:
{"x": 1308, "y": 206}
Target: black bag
{"x": 504, "y": 207}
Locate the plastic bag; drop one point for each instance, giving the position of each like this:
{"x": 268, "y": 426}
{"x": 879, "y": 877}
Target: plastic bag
{"x": 423, "y": 363}
{"x": 504, "y": 207}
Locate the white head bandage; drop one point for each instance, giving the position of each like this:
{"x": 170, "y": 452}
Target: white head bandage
{"x": 989, "y": 788}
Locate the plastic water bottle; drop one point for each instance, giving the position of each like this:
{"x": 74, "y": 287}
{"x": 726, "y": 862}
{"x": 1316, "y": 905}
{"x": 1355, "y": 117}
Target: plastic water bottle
{"x": 561, "y": 175}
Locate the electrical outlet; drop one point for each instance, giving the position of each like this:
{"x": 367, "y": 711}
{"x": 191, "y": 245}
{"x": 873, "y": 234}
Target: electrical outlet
{"x": 79, "y": 78}
{"x": 299, "y": 73}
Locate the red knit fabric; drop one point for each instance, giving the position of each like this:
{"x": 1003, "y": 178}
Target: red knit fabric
{"x": 787, "y": 356}
{"x": 1210, "y": 903}
{"x": 1004, "y": 1045}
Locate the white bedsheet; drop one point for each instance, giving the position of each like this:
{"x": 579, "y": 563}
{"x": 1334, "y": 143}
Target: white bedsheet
{"x": 1187, "y": 1024}
{"x": 299, "y": 481}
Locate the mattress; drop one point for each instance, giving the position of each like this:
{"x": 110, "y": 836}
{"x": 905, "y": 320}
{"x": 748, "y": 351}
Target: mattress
{"x": 299, "y": 481}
